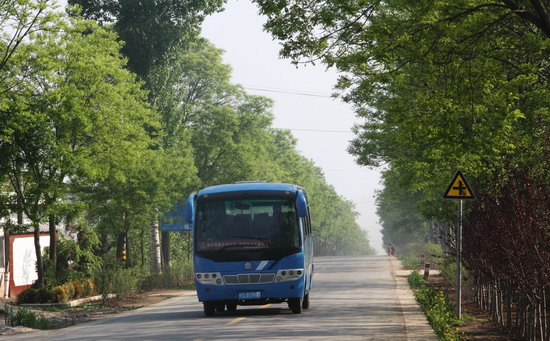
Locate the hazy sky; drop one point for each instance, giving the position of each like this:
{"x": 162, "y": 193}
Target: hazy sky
{"x": 254, "y": 57}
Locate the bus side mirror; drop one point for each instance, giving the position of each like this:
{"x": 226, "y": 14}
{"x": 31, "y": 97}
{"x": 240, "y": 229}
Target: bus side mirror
{"x": 301, "y": 204}
{"x": 189, "y": 217}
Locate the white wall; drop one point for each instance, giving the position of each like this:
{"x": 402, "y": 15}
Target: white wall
{"x": 24, "y": 259}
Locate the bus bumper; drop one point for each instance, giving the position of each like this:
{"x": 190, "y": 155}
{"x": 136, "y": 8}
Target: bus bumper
{"x": 259, "y": 294}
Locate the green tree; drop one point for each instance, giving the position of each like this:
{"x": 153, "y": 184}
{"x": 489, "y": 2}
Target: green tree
{"x": 18, "y": 19}
{"x": 335, "y": 229}
{"x": 69, "y": 104}
{"x": 150, "y": 28}
{"x": 195, "y": 97}
{"x": 439, "y": 85}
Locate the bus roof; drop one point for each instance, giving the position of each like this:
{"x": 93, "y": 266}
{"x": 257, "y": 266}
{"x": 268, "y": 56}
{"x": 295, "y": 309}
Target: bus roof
{"x": 250, "y": 186}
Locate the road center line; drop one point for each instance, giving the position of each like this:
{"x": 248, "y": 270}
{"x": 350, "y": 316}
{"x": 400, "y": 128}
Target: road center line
{"x": 265, "y": 306}
{"x": 238, "y": 319}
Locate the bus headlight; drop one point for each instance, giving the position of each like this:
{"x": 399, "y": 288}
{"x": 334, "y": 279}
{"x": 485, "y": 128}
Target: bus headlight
{"x": 209, "y": 278}
{"x": 289, "y": 275}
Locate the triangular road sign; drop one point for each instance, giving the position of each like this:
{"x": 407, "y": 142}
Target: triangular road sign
{"x": 459, "y": 188}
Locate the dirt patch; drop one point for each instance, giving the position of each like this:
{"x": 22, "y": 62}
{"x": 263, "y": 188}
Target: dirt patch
{"x": 477, "y": 325}
{"x": 61, "y": 318}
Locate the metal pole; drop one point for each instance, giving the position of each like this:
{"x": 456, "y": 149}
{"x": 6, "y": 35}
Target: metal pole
{"x": 459, "y": 261}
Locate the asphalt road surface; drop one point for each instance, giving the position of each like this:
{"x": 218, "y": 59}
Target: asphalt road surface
{"x": 353, "y": 298}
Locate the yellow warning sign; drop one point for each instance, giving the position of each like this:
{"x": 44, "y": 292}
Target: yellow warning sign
{"x": 459, "y": 188}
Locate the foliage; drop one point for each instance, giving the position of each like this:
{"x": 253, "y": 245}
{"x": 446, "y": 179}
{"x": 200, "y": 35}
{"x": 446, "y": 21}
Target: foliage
{"x": 150, "y": 28}
{"x": 447, "y": 269}
{"x": 439, "y": 86}
{"x": 75, "y": 259}
{"x": 25, "y": 317}
{"x": 442, "y": 86}
{"x": 410, "y": 261}
{"x": 436, "y": 306}
{"x": 413, "y": 252}
{"x": 69, "y": 104}
{"x": 17, "y": 20}
{"x": 34, "y": 295}
{"x": 116, "y": 280}
{"x": 59, "y": 295}
{"x": 232, "y": 140}
{"x": 28, "y": 295}
{"x": 81, "y": 144}
{"x": 68, "y": 288}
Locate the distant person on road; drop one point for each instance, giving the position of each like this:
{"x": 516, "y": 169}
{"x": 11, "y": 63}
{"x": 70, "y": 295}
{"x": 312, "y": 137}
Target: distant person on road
{"x": 390, "y": 250}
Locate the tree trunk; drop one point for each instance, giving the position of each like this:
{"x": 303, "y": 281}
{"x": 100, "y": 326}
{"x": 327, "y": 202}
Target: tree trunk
{"x": 53, "y": 250}
{"x": 121, "y": 238}
{"x": 6, "y": 248}
{"x": 155, "y": 247}
{"x": 166, "y": 261}
{"x": 39, "y": 262}
{"x": 142, "y": 248}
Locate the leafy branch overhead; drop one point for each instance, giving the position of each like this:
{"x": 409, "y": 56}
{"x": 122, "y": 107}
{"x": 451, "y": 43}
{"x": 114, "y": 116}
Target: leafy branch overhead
{"x": 438, "y": 86}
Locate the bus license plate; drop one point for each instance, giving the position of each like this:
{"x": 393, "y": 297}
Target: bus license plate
{"x": 250, "y": 295}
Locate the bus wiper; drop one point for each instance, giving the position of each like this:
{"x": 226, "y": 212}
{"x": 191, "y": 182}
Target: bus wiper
{"x": 267, "y": 241}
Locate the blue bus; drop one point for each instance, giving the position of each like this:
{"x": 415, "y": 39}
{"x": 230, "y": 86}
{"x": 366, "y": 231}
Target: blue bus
{"x": 252, "y": 245}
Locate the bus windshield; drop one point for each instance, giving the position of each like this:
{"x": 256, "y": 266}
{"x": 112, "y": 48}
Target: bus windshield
{"x": 246, "y": 225}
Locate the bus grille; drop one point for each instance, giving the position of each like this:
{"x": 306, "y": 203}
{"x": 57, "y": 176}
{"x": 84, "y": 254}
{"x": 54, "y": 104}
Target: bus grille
{"x": 249, "y": 279}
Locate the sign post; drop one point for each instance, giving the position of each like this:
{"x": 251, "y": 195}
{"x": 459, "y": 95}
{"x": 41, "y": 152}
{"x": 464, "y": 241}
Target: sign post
{"x": 459, "y": 189}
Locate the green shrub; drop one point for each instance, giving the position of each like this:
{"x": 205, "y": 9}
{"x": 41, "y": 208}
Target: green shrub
{"x": 69, "y": 289}
{"x": 179, "y": 276}
{"x": 117, "y": 281}
{"x": 25, "y": 317}
{"x": 432, "y": 252}
{"x": 150, "y": 282}
{"x": 416, "y": 281}
{"x": 436, "y": 306}
{"x": 447, "y": 269}
{"x": 29, "y": 295}
{"x": 59, "y": 294}
{"x": 410, "y": 261}
{"x": 78, "y": 290}
{"x": 87, "y": 287}
{"x": 44, "y": 295}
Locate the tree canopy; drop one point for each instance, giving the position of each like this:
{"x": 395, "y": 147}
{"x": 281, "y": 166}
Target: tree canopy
{"x": 149, "y": 28}
{"x": 438, "y": 86}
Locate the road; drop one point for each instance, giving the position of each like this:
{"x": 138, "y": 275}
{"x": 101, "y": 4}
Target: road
{"x": 354, "y": 298}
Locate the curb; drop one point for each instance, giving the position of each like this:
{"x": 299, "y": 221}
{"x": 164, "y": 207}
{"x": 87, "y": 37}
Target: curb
{"x": 73, "y": 303}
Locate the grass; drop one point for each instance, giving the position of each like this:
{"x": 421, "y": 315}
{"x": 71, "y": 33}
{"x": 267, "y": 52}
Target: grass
{"x": 471, "y": 318}
{"x": 25, "y": 317}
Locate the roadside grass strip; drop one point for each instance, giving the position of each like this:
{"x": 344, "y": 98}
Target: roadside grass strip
{"x": 437, "y": 308}
{"x": 26, "y": 318}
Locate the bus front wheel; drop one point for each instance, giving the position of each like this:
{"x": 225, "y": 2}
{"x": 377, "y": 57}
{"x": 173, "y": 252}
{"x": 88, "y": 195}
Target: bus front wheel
{"x": 209, "y": 309}
{"x": 231, "y": 306}
{"x": 295, "y": 304}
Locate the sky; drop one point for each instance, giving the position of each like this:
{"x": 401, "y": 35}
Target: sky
{"x": 303, "y": 104}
